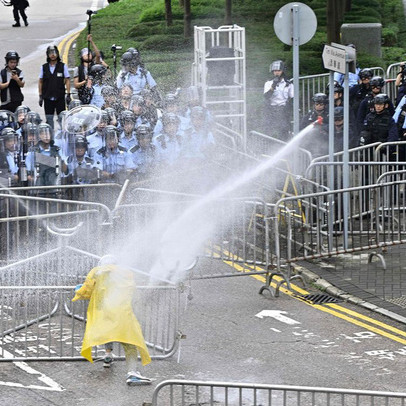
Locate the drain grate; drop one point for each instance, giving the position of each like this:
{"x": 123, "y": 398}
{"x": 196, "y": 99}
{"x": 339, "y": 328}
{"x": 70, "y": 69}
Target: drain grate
{"x": 319, "y": 298}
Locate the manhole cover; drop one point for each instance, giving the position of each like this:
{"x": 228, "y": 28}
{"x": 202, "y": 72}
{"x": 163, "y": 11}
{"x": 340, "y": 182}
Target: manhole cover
{"x": 319, "y": 298}
{"x": 400, "y": 301}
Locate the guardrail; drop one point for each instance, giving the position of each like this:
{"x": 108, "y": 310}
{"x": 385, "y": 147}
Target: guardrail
{"x": 183, "y": 393}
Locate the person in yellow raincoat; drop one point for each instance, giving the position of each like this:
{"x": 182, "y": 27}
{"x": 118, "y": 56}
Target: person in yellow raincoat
{"x": 110, "y": 316}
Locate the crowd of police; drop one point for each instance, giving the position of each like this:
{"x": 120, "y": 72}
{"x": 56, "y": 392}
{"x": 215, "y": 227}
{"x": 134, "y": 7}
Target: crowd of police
{"x": 373, "y": 117}
{"x": 138, "y": 132}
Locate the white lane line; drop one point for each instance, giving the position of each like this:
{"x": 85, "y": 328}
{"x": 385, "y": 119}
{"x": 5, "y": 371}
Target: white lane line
{"x": 51, "y": 384}
{"x": 277, "y": 315}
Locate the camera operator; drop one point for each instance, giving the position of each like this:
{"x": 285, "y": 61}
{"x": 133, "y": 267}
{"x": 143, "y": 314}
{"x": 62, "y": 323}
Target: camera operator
{"x": 401, "y": 82}
{"x": 12, "y": 80}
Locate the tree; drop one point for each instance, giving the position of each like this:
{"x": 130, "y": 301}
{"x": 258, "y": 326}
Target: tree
{"x": 187, "y": 19}
{"x": 168, "y": 13}
{"x": 335, "y": 14}
{"x": 227, "y": 18}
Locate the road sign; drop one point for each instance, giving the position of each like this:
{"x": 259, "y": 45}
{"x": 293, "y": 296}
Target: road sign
{"x": 283, "y": 23}
{"x": 334, "y": 58}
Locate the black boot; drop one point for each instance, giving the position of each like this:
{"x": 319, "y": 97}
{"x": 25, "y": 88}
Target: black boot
{"x": 17, "y": 24}
{"x": 25, "y": 23}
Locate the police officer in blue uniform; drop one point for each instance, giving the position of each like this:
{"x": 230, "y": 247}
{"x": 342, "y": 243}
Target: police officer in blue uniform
{"x": 128, "y": 138}
{"x": 114, "y": 161}
{"x": 144, "y": 154}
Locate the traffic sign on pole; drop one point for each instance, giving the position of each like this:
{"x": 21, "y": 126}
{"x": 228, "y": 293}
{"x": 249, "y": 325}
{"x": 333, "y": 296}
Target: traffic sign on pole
{"x": 334, "y": 59}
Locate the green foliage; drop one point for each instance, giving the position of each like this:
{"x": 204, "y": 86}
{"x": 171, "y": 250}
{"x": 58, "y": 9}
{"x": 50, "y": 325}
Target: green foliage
{"x": 389, "y": 37}
{"x": 167, "y": 43}
{"x": 393, "y": 55}
{"x": 148, "y": 29}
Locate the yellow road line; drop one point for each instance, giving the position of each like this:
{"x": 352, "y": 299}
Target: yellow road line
{"x": 333, "y": 309}
{"x": 65, "y": 45}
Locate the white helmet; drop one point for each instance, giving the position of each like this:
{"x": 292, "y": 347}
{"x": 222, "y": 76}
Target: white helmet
{"x": 108, "y": 260}
{"x": 277, "y": 65}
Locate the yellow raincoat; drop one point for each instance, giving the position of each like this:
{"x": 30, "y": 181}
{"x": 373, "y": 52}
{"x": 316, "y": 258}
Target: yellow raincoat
{"x": 110, "y": 315}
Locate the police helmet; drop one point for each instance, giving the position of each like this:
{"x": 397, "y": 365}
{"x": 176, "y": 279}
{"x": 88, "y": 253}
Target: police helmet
{"x": 8, "y": 133}
{"x": 104, "y": 116}
{"x": 136, "y": 56}
{"x": 338, "y": 113}
{"x": 45, "y": 129}
{"x": 277, "y": 65}
{"x": 170, "y": 98}
{"x": 111, "y": 112}
{"x": 81, "y": 141}
{"x": 6, "y": 119}
{"x": 320, "y": 98}
{"x": 127, "y": 116}
{"x": 86, "y": 51}
{"x": 74, "y": 103}
{"x": 12, "y": 55}
{"x": 97, "y": 70}
{"x": 143, "y": 131}
{"x": 126, "y": 58}
{"x": 137, "y": 100}
{"x": 337, "y": 88}
{"x": 111, "y": 131}
{"x": 109, "y": 91}
{"x": 377, "y": 81}
{"x": 21, "y": 110}
{"x": 31, "y": 129}
{"x": 197, "y": 112}
{"x": 365, "y": 73}
{"x": 170, "y": 118}
{"x": 381, "y": 99}
{"x": 33, "y": 117}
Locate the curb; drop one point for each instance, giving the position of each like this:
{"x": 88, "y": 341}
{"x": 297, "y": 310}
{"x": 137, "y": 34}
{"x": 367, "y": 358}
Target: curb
{"x": 326, "y": 286}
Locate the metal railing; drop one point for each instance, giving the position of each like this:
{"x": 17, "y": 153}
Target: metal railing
{"x": 183, "y": 393}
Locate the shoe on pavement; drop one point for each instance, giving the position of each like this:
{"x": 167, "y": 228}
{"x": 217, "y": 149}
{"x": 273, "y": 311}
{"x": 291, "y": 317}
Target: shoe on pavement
{"x": 135, "y": 379}
{"x": 26, "y": 23}
{"x": 16, "y": 25}
{"x": 108, "y": 359}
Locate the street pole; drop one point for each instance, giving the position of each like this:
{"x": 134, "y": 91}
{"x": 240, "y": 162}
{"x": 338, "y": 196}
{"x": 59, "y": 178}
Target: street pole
{"x": 296, "y": 31}
{"x": 346, "y": 171}
{"x": 331, "y": 168}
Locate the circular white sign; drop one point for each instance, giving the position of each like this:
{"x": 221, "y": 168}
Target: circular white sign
{"x": 283, "y": 23}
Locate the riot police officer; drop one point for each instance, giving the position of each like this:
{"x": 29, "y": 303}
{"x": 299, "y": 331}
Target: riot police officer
{"x": 278, "y": 93}
{"x": 320, "y": 103}
{"x": 12, "y": 81}
{"x": 127, "y": 124}
{"x": 359, "y": 91}
{"x": 379, "y": 125}
{"x": 368, "y": 105}
{"x": 113, "y": 160}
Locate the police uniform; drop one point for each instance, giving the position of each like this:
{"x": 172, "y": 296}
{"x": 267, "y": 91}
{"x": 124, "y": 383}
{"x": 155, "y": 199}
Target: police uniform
{"x": 96, "y": 141}
{"x": 11, "y": 96}
{"x": 85, "y": 163}
{"x": 128, "y": 142}
{"x": 195, "y": 144}
{"x": 278, "y": 92}
{"x": 138, "y": 80}
{"x": 168, "y": 148}
{"x": 45, "y": 175}
{"x": 113, "y": 162}
{"x": 144, "y": 159}
{"x": 379, "y": 128}
{"x": 366, "y": 107}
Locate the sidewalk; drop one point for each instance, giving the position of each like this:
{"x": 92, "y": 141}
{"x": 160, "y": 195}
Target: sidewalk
{"x": 353, "y": 278}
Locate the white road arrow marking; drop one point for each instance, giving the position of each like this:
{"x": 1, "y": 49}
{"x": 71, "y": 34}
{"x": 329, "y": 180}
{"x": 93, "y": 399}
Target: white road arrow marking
{"x": 51, "y": 385}
{"x": 277, "y": 315}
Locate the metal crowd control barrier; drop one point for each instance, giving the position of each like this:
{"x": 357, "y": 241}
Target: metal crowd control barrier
{"x": 242, "y": 228}
{"x": 184, "y": 393}
{"x": 309, "y": 85}
{"x": 311, "y": 226}
{"x": 38, "y": 321}
{"x": 268, "y": 146}
{"x": 26, "y": 221}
